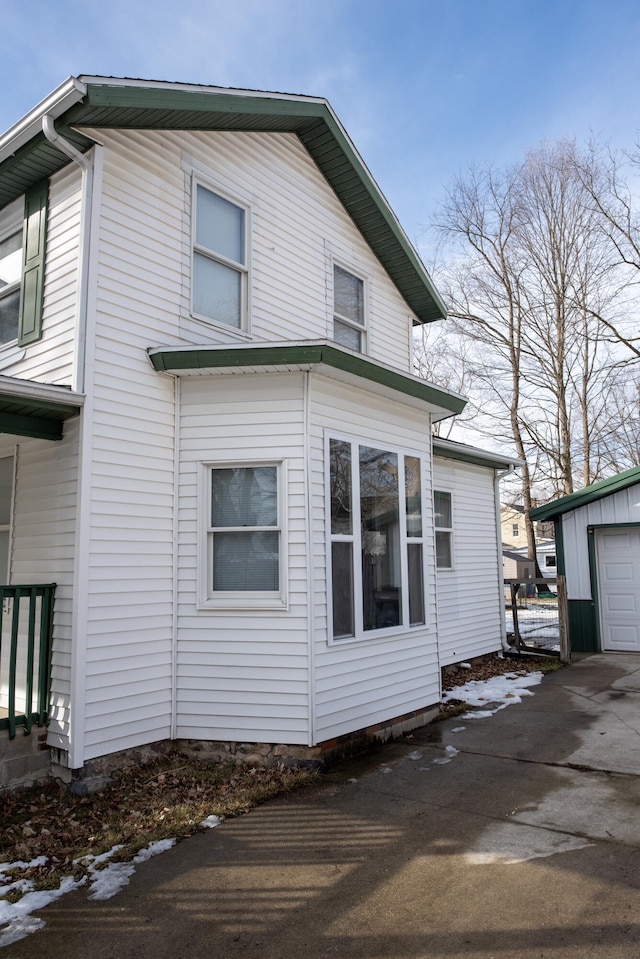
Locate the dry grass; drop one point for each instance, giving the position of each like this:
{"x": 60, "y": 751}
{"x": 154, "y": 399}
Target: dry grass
{"x": 164, "y": 798}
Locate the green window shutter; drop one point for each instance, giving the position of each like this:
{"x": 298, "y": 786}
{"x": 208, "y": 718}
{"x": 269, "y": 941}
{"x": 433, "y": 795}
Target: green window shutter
{"x": 33, "y": 251}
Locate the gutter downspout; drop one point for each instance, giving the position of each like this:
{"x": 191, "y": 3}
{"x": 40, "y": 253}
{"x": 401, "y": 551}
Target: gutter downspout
{"x": 80, "y": 583}
{"x": 497, "y": 476}
{"x": 86, "y": 205}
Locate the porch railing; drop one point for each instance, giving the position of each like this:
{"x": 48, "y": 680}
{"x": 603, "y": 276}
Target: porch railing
{"x": 26, "y": 614}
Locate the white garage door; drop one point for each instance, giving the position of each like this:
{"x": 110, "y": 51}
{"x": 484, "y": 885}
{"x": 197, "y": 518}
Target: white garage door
{"x": 618, "y": 553}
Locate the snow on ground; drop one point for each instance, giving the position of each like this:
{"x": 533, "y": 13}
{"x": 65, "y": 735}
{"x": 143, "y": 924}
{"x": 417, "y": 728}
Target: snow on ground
{"x": 105, "y": 879}
{"x": 487, "y": 696}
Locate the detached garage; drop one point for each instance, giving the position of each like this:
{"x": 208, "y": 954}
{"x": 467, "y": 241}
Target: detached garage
{"x": 598, "y": 551}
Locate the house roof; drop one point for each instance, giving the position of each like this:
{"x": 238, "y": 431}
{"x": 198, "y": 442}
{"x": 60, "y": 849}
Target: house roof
{"x": 36, "y": 409}
{"x": 590, "y": 494}
{"x": 318, "y": 355}
{"x": 84, "y": 102}
{"x": 453, "y": 450}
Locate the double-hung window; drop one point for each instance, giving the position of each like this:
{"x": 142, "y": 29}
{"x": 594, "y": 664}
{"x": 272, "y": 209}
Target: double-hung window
{"x": 23, "y": 227}
{"x": 444, "y": 529}
{"x": 219, "y": 284}
{"x": 244, "y": 535}
{"x": 376, "y": 539}
{"x": 348, "y": 309}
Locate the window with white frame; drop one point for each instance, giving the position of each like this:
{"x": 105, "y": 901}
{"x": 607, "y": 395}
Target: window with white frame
{"x": 550, "y": 561}
{"x": 515, "y": 530}
{"x": 220, "y": 272}
{"x": 6, "y": 501}
{"x": 23, "y": 233}
{"x": 10, "y": 277}
{"x": 376, "y": 531}
{"x": 244, "y": 535}
{"x": 348, "y": 309}
{"x": 443, "y": 520}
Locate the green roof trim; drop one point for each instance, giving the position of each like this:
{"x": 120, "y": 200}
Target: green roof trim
{"x": 131, "y": 104}
{"x": 30, "y": 409}
{"x": 590, "y": 494}
{"x": 171, "y": 360}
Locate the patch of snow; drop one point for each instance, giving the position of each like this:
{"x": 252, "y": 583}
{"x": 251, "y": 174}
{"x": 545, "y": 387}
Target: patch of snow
{"x": 500, "y": 691}
{"x": 441, "y": 762}
{"x": 414, "y": 755}
{"x": 451, "y": 750}
{"x": 386, "y": 769}
{"x": 458, "y": 729}
{"x": 16, "y": 917}
{"x": 211, "y": 822}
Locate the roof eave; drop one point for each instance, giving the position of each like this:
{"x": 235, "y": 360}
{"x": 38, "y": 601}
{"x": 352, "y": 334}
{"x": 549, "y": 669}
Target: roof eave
{"x": 319, "y": 355}
{"x": 72, "y": 91}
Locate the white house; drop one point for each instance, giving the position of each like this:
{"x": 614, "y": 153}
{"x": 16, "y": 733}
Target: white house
{"x": 216, "y": 465}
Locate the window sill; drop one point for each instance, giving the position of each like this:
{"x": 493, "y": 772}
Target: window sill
{"x": 240, "y": 602}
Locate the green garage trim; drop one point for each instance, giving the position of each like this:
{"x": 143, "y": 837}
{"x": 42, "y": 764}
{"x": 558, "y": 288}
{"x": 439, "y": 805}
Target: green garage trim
{"x": 583, "y": 631}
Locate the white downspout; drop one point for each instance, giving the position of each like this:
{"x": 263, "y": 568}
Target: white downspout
{"x": 81, "y": 378}
{"x": 86, "y": 166}
{"x": 497, "y": 476}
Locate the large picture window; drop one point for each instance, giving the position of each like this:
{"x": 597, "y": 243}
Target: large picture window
{"x": 376, "y": 532}
{"x": 244, "y": 536}
{"x": 219, "y": 290}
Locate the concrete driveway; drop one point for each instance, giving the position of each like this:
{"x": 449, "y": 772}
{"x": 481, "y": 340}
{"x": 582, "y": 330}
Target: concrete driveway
{"x": 525, "y": 844}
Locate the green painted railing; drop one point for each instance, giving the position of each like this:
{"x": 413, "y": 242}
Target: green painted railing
{"x": 26, "y": 616}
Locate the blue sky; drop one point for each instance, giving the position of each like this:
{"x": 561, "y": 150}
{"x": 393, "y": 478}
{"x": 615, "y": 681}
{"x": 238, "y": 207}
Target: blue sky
{"x": 424, "y": 88}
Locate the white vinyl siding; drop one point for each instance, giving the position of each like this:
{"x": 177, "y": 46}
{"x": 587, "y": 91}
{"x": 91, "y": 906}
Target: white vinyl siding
{"x": 298, "y": 227}
{"x": 470, "y": 595}
{"x": 51, "y": 358}
{"x": 42, "y": 546}
{"x": 243, "y": 673}
{"x": 360, "y": 683}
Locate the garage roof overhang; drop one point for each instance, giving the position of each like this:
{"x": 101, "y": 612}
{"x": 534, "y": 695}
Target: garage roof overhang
{"x": 35, "y": 409}
{"x": 319, "y": 356}
{"x": 83, "y": 103}
{"x": 590, "y": 494}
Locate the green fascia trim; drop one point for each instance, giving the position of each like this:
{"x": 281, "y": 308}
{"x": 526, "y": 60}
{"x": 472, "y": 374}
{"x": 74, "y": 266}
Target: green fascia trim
{"x": 559, "y": 541}
{"x": 590, "y": 494}
{"x": 312, "y": 120}
{"x": 202, "y": 358}
{"x": 35, "y": 426}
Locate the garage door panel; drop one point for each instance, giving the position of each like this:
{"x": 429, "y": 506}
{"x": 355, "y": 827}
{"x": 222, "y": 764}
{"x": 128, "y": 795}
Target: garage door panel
{"x": 618, "y": 570}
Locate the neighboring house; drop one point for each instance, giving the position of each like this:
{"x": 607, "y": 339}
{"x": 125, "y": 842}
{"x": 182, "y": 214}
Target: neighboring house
{"x": 216, "y": 466}
{"x": 516, "y": 565}
{"x": 598, "y": 550}
{"x": 512, "y": 523}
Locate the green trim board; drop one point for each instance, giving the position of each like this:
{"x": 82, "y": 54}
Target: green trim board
{"x": 171, "y": 360}
{"x": 24, "y": 413}
{"x": 131, "y": 104}
{"x": 590, "y": 494}
{"x": 582, "y": 626}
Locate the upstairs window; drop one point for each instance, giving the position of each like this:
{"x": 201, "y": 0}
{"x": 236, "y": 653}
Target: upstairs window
{"x": 515, "y": 530}
{"x": 10, "y": 277}
{"x": 219, "y": 259}
{"x": 23, "y": 229}
{"x": 348, "y": 309}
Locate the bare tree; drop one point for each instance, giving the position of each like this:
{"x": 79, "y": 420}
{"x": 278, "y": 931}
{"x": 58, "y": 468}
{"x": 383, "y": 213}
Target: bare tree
{"x": 529, "y": 275}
